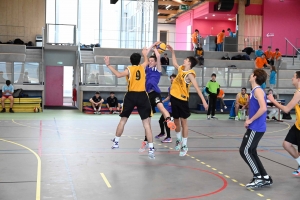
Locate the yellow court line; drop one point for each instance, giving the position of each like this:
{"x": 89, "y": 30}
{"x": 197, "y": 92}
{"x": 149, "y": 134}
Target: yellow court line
{"x": 288, "y": 126}
{"x": 38, "y": 176}
{"x": 105, "y": 180}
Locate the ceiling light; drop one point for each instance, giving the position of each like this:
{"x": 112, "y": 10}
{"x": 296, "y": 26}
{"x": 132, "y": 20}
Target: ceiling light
{"x": 229, "y": 18}
{"x": 168, "y": 6}
{"x": 214, "y": 15}
{"x": 205, "y": 17}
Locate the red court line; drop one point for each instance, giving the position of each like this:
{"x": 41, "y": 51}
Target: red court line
{"x": 40, "y": 138}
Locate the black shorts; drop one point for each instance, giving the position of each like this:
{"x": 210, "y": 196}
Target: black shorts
{"x": 293, "y": 136}
{"x": 113, "y": 105}
{"x": 138, "y": 99}
{"x": 180, "y": 108}
{"x": 154, "y": 98}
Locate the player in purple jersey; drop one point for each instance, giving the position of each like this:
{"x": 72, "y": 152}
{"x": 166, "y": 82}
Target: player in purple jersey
{"x": 256, "y": 127}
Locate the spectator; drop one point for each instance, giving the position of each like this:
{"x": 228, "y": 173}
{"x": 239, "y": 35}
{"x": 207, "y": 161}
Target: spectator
{"x": 259, "y": 52}
{"x": 269, "y": 56}
{"x": 96, "y": 102}
{"x": 230, "y": 32}
{"x": 199, "y": 53}
{"x": 213, "y": 89}
{"x": 26, "y": 78}
{"x": 2, "y": 80}
{"x": 220, "y": 39}
{"x": 273, "y": 110}
{"x": 7, "y": 93}
{"x": 273, "y": 77}
{"x": 221, "y": 96}
{"x": 277, "y": 57}
{"x": 261, "y": 62}
{"x": 195, "y": 39}
{"x": 241, "y": 102}
{"x": 112, "y": 104}
{"x": 164, "y": 60}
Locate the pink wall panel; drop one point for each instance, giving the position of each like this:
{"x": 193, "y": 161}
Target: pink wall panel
{"x": 213, "y": 27}
{"x": 201, "y": 10}
{"x": 254, "y": 9}
{"x": 181, "y": 30}
{"x": 282, "y": 19}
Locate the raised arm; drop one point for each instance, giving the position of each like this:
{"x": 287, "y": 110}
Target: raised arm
{"x": 144, "y": 53}
{"x": 151, "y": 47}
{"x": 194, "y": 82}
{"x": 158, "y": 63}
{"x": 174, "y": 60}
{"x": 113, "y": 70}
{"x": 289, "y": 106}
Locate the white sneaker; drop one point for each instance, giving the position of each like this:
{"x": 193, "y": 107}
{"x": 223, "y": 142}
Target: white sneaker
{"x": 151, "y": 154}
{"x": 236, "y": 118}
{"x": 221, "y": 110}
{"x": 208, "y": 117}
{"x": 225, "y": 107}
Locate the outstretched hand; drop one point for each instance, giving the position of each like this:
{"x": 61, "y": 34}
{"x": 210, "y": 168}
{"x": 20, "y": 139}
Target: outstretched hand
{"x": 169, "y": 47}
{"x": 106, "y": 60}
{"x": 271, "y": 97}
{"x": 144, "y": 51}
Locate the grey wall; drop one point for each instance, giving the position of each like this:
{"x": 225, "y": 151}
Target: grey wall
{"x": 68, "y": 58}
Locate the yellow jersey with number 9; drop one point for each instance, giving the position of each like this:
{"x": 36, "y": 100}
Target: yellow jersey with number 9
{"x": 136, "y": 79}
{"x": 297, "y": 122}
{"x": 180, "y": 87}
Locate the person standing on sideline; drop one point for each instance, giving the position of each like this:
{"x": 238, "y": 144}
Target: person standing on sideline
{"x": 195, "y": 39}
{"x": 7, "y": 93}
{"x": 293, "y": 136}
{"x": 273, "y": 77}
{"x": 164, "y": 60}
{"x": 162, "y": 121}
{"x": 256, "y": 127}
{"x": 136, "y": 96}
{"x": 220, "y": 40}
{"x": 213, "y": 89}
{"x": 180, "y": 90}
{"x": 221, "y": 96}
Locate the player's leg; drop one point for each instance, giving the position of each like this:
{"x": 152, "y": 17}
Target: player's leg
{"x": 168, "y": 139}
{"x": 175, "y": 111}
{"x": 213, "y": 106}
{"x": 184, "y": 148}
{"x": 162, "y": 127}
{"x": 3, "y": 104}
{"x": 236, "y": 109}
{"x": 11, "y": 98}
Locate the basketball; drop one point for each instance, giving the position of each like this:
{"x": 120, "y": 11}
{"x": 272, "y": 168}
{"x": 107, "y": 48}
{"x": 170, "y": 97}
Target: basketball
{"x": 161, "y": 47}
{"x": 36, "y": 110}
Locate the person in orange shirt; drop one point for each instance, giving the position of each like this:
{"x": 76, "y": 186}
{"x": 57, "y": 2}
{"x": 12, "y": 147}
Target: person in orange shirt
{"x": 221, "y": 96}
{"x": 269, "y": 56}
{"x": 220, "y": 39}
{"x": 261, "y": 62}
{"x": 195, "y": 39}
{"x": 277, "y": 57}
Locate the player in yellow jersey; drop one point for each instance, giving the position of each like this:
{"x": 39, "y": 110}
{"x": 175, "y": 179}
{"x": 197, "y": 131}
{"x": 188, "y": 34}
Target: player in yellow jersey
{"x": 179, "y": 98}
{"x": 293, "y": 136}
{"x": 135, "y": 96}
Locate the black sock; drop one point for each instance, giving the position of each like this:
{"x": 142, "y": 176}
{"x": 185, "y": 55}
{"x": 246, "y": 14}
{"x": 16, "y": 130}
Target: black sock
{"x": 146, "y": 139}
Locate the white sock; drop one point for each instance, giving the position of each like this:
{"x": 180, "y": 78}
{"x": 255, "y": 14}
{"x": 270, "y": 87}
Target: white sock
{"x": 266, "y": 177}
{"x": 298, "y": 160}
{"x": 178, "y": 135}
{"x": 150, "y": 145}
{"x": 184, "y": 141}
{"x": 95, "y": 109}
{"x": 258, "y": 176}
{"x": 117, "y": 139}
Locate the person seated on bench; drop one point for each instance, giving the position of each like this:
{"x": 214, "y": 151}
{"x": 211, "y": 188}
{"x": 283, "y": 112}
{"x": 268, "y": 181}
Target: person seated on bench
{"x": 241, "y": 102}
{"x": 96, "y": 102}
{"x": 7, "y": 93}
{"x": 261, "y": 62}
{"x": 221, "y": 96}
{"x": 273, "y": 110}
{"x": 112, "y": 104}
{"x": 199, "y": 53}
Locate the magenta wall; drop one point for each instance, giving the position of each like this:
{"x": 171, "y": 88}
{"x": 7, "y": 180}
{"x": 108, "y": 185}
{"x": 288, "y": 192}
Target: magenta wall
{"x": 181, "y": 30}
{"x": 213, "y": 27}
{"x": 282, "y": 19}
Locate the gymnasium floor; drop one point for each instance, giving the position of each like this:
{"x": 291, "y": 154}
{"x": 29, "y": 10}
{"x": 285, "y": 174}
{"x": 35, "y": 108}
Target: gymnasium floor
{"x": 64, "y": 154}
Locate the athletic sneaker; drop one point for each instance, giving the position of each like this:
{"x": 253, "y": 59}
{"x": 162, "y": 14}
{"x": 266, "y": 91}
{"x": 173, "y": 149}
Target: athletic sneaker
{"x": 167, "y": 140}
{"x": 213, "y": 117}
{"x": 221, "y": 110}
{"x": 171, "y": 124}
{"x": 297, "y": 172}
{"x": 144, "y": 146}
{"x": 159, "y": 135}
{"x": 256, "y": 183}
{"x": 95, "y": 112}
{"x": 236, "y": 118}
{"x": 11, "y": 110}
{"x": 268, "y": 181}
{"x": 225, "y": 107}
{"x": 184, "y": 149}
{"x": 3, "y": 110}
{"x": 115, "y": 145}
{"x": 178, "y": 145}
{"x": 208, "y": 117}
{"x": 151, "y": 154}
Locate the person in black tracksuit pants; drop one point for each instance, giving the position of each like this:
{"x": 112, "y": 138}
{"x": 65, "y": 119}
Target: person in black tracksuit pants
{"x": 213, "y": 89}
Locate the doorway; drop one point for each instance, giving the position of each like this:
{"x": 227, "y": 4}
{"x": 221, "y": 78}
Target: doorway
{"x": 68, "y": 86}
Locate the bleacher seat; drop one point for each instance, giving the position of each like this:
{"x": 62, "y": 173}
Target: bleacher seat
{"x": 24, "y": 105}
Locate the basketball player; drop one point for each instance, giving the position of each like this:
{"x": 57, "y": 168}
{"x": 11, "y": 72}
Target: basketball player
{"x": 135, "y": 96}
{"x": 153, "y": 73}
{"x": 256, "y": 127}
{"x": 179, "y": 98}
{"x": 293, "y": 136}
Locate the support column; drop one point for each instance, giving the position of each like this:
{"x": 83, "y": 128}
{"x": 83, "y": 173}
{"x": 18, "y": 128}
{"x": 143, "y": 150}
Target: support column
{"x": 155, "y": 18}
{"x": 241, "y": 24}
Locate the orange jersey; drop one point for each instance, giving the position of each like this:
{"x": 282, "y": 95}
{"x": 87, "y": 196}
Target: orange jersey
{"x": 260, "y": 62}
{"x": 269, "y": 54}
{"x": 220, "y": 37}
{"x": 221, "y": 93}
{"x": 276, "y": 54}
{"x": 195, "y": 38}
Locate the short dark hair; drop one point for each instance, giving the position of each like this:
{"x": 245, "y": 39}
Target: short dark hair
{"x": 97, "y": 92}
{"x": 193, "y": 61}
{"x": 196, "y": 30}
{"x": 269, "y": 47}
{"x": 228, "y": 29}
{"x": 261, "y": 76}
{"x": 153, "y": 57}
{"x": 297, "y": 74}
{"x": 260, "y": 46}
{"x": 223, "y": 30}
{"x": 8, "y": 82}
{"x": 276, "y": 49}
{"x": 135, "y": 58}
{"x": 213, "y": 74}
{"x": 173, "y": 75}
{"x": 244, "y": 88}
{"x": 112, "y": 93}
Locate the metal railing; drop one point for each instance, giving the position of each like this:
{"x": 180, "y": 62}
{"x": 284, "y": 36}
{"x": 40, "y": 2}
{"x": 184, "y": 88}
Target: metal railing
{"x": 294, "y": 49}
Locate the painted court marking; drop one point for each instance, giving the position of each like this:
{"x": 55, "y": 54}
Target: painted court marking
{"x": 105, "y": 180}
